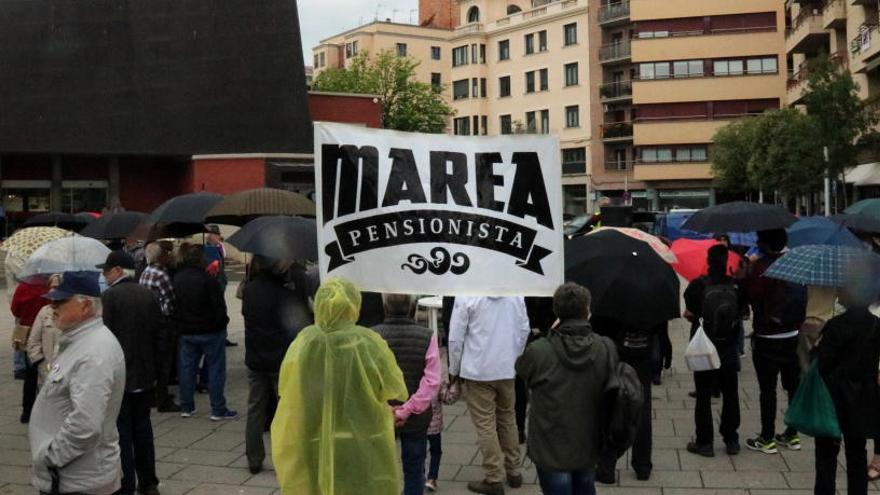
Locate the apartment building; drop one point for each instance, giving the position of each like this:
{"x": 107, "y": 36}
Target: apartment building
{"x": 670, "y": 74}
{"x": 521, "y": 66}
{"x": 429, "y": 45}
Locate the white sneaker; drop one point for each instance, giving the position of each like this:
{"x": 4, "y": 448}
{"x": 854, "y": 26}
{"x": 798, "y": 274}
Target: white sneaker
{"x": 187, "y": 414}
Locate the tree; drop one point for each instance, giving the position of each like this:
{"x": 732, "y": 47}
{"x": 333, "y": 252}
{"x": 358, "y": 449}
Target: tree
{"x": 777, "y": 151}
{"x": 841, "y": 117}
{"x": 407, "y": 104}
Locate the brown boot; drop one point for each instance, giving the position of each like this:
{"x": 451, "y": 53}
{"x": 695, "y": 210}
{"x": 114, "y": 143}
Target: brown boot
{"x": 514, "y": 480}
{"x": 486, "y": 487}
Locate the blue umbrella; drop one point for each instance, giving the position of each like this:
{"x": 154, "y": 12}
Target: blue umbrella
{"x": 820, "y": 230}
{"x": 825, "y": 265}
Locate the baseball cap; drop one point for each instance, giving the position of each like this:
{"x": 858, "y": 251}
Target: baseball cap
{"x": 75, "y": 283}
{"x": 117, "y": 258}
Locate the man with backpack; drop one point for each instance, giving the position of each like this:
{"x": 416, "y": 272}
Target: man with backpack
{"x": 567, "y": 373}
{"x": 778, "y": 309}
{"x": 716, "y": 300}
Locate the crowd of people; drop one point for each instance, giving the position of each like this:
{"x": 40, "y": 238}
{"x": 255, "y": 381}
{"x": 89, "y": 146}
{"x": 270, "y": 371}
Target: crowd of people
{"x": 339, "y": 376}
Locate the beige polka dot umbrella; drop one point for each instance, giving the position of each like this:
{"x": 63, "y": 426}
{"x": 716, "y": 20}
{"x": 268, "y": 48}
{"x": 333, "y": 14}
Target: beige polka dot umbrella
{"x": 24, "y": 242}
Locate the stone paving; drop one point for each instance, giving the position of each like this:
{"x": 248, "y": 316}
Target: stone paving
{"x": 198, "y": 457}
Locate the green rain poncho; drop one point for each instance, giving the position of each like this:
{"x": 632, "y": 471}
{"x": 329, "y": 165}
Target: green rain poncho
{"x": 333, "y": 433}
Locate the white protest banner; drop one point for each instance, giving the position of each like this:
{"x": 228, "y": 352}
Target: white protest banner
{"x": 438, "y": 214}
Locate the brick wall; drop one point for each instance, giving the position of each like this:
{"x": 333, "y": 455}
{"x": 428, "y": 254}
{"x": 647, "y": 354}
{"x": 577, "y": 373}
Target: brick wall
{"x": 348, "y": 109}
{"x": 443, "y": 14}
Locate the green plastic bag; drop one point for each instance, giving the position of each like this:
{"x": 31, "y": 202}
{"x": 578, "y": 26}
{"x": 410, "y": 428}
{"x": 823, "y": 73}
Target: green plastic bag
{"x": 812, "y": 411}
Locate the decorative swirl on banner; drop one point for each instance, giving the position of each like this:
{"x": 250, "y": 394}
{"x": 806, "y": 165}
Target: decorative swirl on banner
{"x": 440, "y": 263}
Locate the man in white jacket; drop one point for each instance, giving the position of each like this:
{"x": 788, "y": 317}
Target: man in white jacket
{"x": 73, "y": 435}
{"x": 486, "y": 335}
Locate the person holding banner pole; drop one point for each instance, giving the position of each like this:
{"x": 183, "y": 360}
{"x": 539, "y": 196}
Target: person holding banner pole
{"x": 487, "y": 334}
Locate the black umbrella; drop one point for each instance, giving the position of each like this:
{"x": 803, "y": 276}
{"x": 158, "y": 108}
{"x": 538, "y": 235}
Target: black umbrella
{"x": 183, "y": 215}
{"x": 244, "y": 206}
{"x": 629, "y": 281}
{"x": 278, "y": 237}
{"x": 115, "y": 225}
{"x": 66, "y": 221}
{"x": 739, "y": 216}
{"x": 857, "y": 221}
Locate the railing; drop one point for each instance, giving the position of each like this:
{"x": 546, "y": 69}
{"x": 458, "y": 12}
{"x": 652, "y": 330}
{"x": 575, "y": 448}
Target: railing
{"x": 800, "y": 77}
{"x": 541, "y": 8}
{"x": 614, "y": 11}
{"x": 804, "y": 16}
{"x": 831, "y": 4}
{"x": 613, "y": 51}
{"x": 534, "y": 13}
{"x": 862, "y": 42}
{"x": 616, "y": 130}
{"x": 473, "y": 27}
{"x": 618, "y": 164}
{"x": 616, "y": 89}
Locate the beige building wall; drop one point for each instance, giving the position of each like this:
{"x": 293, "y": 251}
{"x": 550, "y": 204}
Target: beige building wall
{"x": 685, "y": 182}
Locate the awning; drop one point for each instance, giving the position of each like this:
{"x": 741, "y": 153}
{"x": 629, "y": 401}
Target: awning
{"x": 867, "y": 174}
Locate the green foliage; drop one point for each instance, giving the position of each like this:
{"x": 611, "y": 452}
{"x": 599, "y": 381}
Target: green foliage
{"x": 841, "y": 117}
{"x": 775, "y": 151}
{"x": 407, "y": 104}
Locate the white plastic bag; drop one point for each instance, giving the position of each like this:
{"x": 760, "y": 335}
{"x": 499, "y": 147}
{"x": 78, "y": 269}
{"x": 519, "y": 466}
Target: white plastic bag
{"x": 701, "y": 354}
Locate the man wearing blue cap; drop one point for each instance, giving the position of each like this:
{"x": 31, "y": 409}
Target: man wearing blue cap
{"x": 73, "y": 435}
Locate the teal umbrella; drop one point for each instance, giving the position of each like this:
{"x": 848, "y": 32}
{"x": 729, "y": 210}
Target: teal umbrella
{"x": 870, "y": 207}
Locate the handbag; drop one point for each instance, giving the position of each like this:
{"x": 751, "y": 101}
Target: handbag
{"x": 20, "y": 336}
{"x": 701, "y": 354}
{"x": 812, "y": 411}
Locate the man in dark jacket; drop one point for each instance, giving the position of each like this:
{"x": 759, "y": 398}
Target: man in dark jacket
{"x": 415, "y": 349}
{"x": 273, "y": 315}
{"x": 132, "y": 314}
{"x": 567, "y": 373}
{"x": 200, "y": 317}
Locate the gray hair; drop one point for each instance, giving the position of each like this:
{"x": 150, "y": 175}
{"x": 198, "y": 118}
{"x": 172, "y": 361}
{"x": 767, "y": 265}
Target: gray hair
{"x": 152, "y": 252}
{"x": 96, "y": 302}
{"x": 398, "y": 304}
{"x": 571, "y": 301}
{"x": 128, "y": 272}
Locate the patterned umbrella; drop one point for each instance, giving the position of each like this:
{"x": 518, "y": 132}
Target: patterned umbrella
{"x": 25, "y": 241}
{"x": 824, "y": 265}
{"x": 656, "y": 244}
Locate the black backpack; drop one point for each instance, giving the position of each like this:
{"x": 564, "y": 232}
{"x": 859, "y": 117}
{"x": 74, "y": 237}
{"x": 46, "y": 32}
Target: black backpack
{"x": 623, "y": 411}
{"x": 787, "y": 305}
{"x": 720, "y": 311}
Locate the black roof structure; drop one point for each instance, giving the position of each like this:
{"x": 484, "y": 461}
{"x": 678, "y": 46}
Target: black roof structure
{"x": 169, "y": 77}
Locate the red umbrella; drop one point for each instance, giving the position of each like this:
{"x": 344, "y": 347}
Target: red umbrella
{"x": 692, "y": 255}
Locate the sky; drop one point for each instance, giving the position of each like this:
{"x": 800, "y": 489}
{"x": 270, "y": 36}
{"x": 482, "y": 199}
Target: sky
{"x": 319, "y": 19}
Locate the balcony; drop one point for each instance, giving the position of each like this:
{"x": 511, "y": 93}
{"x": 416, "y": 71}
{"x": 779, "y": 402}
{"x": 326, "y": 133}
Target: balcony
{"x": 616, "y": 91}
{"x": 614, "y": 13}
{"x": 618, "y": 165}
{"x": 834, "y": 14}
{"x": 618, "y": 52}
{"x": 474, "y": 27}
{"x": 796, "y": 84}
{"x": 617, "y": 132}
{"x": 865, "y": 46}
{"x": 540, "y": 9}
{"x": 807, "y": 32}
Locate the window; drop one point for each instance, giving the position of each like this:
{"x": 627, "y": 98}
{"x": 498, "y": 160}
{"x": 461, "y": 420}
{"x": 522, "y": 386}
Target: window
{"x": 484, "y": 124}
{"x": 482, "y": 53}
{"x": 483, "y": 93}
{"x": 727, "y": 67}
{"x": 545, "y": 121}
{"x": 316, "y": 61}
{"x": 504, "y": 50}
{"x": 435, "y": 53}
{"x": 460, "y": 89}
{"x": 474, "y": 53}
{"x": 461, "y": 126}
{"x": 436, "y": 81}
{"x": 531, "y": 124}
{"x": 570, "y": 34}
{"x": 323, "y": 59}
{"x": 506, "y": 124}
{"x": 654, "y": 70}
{"x": 571, "y": 74}
{"x": 699, "y": 154}
{"x": 687, "y": 68}
{"x": 544, "y": 79}
{"x": 513, "y": 9}
{"x": 542, "y": 41}
{"x": 503, "y": 86}
{"x": 475, "y": 87}
{"x": 572, "y": 116}
{"x": 473, "y": 14}
{"x": 530, "y": 44}
{"x": 696, "y": 153}
{"x": 476, "y": 120}
{"x": 460, "y": 56}
{"x": 530, "y": 82}
{"x": 765, "y": 65}
{"x": 574, "y": 161}
{"x": 401, "y": 49}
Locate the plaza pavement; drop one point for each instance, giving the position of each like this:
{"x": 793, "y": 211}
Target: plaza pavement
{"x": 199, "y": 457}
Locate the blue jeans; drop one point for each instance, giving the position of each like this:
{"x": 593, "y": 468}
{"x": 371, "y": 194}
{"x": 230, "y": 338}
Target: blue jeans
{"x": 436, "y": 453}
{"x": 19, "y": 362}
{"x": 192, "y": 348}
{"x": 413, "y": 450}
{"x": 581, "y": 482}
